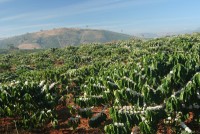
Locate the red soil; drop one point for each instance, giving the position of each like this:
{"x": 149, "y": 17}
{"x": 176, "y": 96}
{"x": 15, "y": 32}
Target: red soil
{"x": 8, "y": 126}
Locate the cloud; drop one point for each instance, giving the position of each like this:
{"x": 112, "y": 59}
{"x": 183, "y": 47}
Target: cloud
{"x": 92, "y": 6}
{"x": 75, "y": 9}
{"x": 15, "y": 17}
{"x": 66, "y": 11}
{"x": 70, "y": 10}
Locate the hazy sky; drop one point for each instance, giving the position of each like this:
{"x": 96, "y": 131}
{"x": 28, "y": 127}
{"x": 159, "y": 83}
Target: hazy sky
{"x": 127, "y": 16}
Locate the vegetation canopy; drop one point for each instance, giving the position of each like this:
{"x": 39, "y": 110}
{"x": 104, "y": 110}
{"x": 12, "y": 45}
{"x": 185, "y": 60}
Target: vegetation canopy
{"x": 114, "y": 88}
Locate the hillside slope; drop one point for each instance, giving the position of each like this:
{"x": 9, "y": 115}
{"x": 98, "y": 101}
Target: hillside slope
{"x": 62, "y": 37}
{"x": 138, "y": 83}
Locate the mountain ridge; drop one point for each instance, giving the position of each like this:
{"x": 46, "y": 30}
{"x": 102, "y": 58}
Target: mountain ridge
{"x": 61, "y": 37}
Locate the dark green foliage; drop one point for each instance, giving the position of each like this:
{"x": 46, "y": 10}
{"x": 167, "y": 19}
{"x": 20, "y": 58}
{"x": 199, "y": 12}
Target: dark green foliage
{"x": 97, "y": 120}
{"x": 85, "y": 112}
{"x": 142, "y": 82}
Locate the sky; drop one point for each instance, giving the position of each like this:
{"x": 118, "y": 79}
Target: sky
{"x": 125, "y": 16}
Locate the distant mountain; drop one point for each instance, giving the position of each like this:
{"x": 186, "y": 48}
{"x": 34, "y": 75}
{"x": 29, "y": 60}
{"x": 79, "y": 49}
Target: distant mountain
{"x": 197, "y": 30}
{"x": 147, "y": 35}
{"x": 155, "y": 35}
{"x": 61, "y": 37}
{"x": 2, "y": 38}
{"x": 164, "y": 34}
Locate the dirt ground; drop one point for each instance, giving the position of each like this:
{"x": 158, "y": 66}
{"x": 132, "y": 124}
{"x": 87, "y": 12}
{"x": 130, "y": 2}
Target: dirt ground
{"x": 7, "y": 126}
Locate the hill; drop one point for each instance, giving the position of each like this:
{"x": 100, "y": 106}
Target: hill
{"x": 58, "y": 38}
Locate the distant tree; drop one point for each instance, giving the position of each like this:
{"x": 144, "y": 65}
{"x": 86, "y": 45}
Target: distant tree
{"x": 39, "y": 41}
{"x": 12, "y": 47}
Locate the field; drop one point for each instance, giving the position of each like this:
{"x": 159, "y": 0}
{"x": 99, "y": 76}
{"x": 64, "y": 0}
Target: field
{"x": 139, "y": 86}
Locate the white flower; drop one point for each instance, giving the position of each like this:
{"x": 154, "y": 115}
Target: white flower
{"x": 171, "y": 72}
{"x": 115, "y": 107}
{"x": 41, "y": 83}
{"x": 116, "y": 100}
{"x": 187, "y": 129}
{"x": 169, "y": 118}
{"x": 135, "y": 71}
{"x": 26, "y": 83}
{"x": 143, "y": 118}
{"x": 44, "y": 88}
{"x": 86, "y": 99}
{"x": 124, "y": 107}
{"x": 121, "y": 124}
{"x": 17, "y": 82}
{"x": 198, "y": 95}
{"x": 52, "y": 85}
{"x": 189, "y": 82}
{"x": 115, "y": 123}
{"x": 118, "y": 124}
{"x": 78, "y": 116}
{"x": 107, "y": 91}
{"x": 85, "y": 94}
{"x": 142, "y": 112}
{"x": 131, "y": 112}
{"x": 11, "y": 84}
{"x": 144, "y": 106}
{"x": 173, "y": 96}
